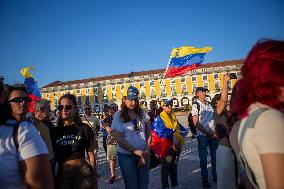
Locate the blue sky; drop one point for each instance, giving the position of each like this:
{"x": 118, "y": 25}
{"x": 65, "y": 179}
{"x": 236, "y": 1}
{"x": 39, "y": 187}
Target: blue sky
{"x": 68, "y": 40}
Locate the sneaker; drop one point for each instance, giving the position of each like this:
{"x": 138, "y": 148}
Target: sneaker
{"x": 112, "y": 179}
{"x": 205, "y": 184}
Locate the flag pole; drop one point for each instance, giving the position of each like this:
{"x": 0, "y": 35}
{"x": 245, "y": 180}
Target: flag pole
{"x": 168, "y": 64}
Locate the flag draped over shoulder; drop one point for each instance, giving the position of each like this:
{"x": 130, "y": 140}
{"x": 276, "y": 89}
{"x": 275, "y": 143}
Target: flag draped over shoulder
{"x": 31, "y": 86}
{"x": 184, "y": 59}
{"x": 164, "y": 132}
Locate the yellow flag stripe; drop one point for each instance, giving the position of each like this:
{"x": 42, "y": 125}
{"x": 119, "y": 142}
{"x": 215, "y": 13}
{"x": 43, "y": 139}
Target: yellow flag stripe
{"x": 25, "y": 72}
{"x": 187, "y": 50}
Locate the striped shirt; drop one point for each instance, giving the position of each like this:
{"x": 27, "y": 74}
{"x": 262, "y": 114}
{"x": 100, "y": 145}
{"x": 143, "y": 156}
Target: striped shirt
{"x": 205, "y": 113}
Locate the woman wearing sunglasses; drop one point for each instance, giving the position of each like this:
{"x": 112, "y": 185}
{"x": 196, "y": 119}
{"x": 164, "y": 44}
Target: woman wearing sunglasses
{"x": 70, "y": 139}
{"x": 23, "y": 154}
{"x": 131, "y": 130}
{"x": 168, "y": 138}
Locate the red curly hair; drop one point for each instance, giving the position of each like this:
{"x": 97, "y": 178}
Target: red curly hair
{"x": 263, "y": 75}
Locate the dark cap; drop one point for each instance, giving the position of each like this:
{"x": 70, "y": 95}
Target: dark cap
{"x": 113, "y": 106}
{"x": 165, "y": 102}
{"x": 132, "y": 93}
{"x": 200, "y": 89}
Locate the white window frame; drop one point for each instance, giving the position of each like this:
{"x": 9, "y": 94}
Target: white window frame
{"x": 194, "y": 86}
{"x": 206, "y": 85}
{"x": 87, "y": 91}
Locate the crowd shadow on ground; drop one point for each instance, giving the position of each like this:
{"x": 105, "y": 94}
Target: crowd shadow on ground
{"x": 188, "y": 170}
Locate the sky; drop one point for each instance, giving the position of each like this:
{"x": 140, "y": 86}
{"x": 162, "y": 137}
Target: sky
{"x": 68, "y": 40}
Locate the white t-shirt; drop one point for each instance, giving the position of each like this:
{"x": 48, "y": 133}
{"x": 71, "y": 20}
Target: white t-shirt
{"x": 131, "y": 136}
{"x": 266, "y": 137}
{"x": 30, "y": 145}
{"x": 205, "y": 113}
{"x": 92, "y": 121}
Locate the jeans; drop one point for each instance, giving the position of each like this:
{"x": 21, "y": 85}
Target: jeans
{"x": 134, "y": 177}
{"x": 169, "y": 168}
{"x": 225, "y": 168}
{"x": 104, "y": 143}
{"x": 203, "y": 143}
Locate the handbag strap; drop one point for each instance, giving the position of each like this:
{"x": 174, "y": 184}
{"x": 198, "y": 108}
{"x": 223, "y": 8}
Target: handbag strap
{"x": 15, "y": 135}
{"x": 249, "y": 124}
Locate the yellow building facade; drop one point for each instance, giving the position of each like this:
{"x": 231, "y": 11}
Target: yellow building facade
{"x": 151, "y": 85}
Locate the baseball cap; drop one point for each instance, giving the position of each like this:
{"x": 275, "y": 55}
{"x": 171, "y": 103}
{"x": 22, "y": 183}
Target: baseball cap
{"x": 165, "y": 102}
{"x": 113, "y": 106}
{"x": 132, "y": 93}
{"x": 200, "y": 89}
{"x": 39, "y": 104}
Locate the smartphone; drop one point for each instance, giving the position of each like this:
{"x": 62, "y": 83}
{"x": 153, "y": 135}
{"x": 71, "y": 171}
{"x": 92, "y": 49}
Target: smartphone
{"x": 232, "y": 75}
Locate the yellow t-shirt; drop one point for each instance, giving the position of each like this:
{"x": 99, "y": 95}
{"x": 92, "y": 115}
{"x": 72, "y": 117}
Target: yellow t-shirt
{"x": 266, "y": 137}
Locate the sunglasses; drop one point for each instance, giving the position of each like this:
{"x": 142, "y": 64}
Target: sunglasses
{"x": 66, "y": 107}
{"x": 169, "y": 105}
{"x": 87, "y": 108}
{"x": 21, "y": 99}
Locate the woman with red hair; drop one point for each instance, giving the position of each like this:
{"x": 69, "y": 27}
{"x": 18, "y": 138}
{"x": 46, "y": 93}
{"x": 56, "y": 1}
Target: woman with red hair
{"x": 258, "y": 101}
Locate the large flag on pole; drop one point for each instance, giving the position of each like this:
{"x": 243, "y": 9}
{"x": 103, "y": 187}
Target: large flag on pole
{"x": 184, "y": 59}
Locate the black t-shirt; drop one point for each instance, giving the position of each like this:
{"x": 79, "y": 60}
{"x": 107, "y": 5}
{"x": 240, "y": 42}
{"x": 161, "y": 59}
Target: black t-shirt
{"x": 221, "y": 124}
{"x": 71, "y": 142}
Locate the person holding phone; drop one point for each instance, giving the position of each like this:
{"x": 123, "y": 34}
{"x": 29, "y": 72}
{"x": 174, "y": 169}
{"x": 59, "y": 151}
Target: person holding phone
{"x": 225, "y": 159}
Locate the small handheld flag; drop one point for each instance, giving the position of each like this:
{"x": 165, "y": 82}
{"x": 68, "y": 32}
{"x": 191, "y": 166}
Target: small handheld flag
{"x": 31, "y": 85}
{"x": 184, "y": 59}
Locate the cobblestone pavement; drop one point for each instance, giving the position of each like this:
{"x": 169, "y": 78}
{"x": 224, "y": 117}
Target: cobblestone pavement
{"x": 188, "y": 168}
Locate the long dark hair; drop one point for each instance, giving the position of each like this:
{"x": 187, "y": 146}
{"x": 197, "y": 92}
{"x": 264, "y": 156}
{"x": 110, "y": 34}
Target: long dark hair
{"x": 6, "y": 112}
{"x": 124, "y": 111}
{"x": 77, "y": 118}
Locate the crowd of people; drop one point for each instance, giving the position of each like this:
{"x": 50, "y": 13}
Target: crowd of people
{"x": 244, "y": 134}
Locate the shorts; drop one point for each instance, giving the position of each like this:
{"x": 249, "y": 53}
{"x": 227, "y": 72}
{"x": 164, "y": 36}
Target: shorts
{"x": 111, "y": 152}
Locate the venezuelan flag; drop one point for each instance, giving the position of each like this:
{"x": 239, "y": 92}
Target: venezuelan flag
{"x": 184, "y": 59}
{"x": 162, "y": 137}
{"x": 31, "y": 85}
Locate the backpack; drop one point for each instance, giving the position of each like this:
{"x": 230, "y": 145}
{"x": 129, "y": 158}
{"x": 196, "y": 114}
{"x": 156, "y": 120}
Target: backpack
{"x": 249, "y": 124}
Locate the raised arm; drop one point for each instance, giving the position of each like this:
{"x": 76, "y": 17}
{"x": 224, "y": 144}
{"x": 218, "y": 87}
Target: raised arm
{"x": 224, "y": 95}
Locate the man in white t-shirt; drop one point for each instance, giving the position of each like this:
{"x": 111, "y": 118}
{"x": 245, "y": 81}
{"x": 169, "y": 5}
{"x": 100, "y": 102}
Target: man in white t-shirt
{"x": 202, "y": 116}
{"x": 91, "y": 119}
{"x": 93, "y": 122}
